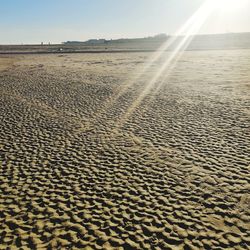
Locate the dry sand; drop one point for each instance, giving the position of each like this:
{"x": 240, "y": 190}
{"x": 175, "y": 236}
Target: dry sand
{"x": 173, "y": 175}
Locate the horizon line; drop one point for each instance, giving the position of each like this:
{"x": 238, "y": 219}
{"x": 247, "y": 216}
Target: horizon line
{"x": 42, "y": 43}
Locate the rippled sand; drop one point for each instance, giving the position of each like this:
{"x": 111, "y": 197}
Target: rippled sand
{"x": 85, "y": 165}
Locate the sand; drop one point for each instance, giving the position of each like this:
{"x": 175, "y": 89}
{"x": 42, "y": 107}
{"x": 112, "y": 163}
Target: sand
{"x": 85, "y": 165}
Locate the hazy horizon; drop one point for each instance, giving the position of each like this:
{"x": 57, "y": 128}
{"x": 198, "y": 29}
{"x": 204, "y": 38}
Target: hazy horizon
{"x": 33, "y": 22}
{"x": 136, "y": 37}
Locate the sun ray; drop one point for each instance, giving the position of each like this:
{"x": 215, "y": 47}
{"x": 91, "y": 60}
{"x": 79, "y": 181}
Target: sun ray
{"x": 139, "y": 73}
{"x": 189, "y": 29}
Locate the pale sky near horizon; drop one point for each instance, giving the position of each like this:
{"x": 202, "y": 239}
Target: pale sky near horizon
{"x": 56, "y": 21}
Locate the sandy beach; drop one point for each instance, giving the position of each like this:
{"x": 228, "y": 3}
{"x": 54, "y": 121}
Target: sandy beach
{"x": 94, "y": 157}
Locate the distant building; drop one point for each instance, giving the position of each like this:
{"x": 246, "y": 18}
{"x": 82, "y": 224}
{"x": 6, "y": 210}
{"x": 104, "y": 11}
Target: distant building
{"x": 96, "y": 41}
{"x": 157, "y": 38}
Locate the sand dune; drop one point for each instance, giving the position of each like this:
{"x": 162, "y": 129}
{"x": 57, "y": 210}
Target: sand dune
{"x": 173, "y": 175}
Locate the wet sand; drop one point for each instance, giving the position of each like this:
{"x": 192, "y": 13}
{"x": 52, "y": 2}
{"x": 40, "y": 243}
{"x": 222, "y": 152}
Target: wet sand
{"x": 81, "y": 169}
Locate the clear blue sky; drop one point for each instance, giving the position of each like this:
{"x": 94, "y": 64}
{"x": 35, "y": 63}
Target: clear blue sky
{"x": 34, "y": 21}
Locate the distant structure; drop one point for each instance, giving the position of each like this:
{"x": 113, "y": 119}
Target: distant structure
{"x": 97, "y": 41}
{"x": 157, "y": 38}
{"x": 199, "y": 42}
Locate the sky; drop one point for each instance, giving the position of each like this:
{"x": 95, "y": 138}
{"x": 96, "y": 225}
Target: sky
{"x": 56, "y": 21}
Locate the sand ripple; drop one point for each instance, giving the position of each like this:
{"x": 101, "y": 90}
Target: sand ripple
{"x": 173, "y": 175}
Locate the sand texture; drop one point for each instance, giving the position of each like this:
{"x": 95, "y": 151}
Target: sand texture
{"x": 93, "y": 157}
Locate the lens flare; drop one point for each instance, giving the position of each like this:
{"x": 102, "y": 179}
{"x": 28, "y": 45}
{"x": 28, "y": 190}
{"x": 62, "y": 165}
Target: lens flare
{"x": 178, "y": 43}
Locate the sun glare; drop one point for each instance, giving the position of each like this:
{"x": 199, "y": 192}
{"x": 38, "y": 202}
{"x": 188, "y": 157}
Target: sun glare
{"x": 176, "y": 45}
{"x": 228, "y": 5}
